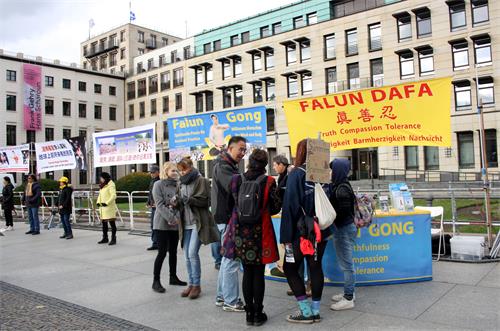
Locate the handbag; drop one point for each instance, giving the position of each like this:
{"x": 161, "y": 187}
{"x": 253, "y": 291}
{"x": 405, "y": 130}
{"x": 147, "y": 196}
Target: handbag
{"x": 324, "y": 210}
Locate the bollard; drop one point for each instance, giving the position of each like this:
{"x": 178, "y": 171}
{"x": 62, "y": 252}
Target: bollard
{"x": 429, "y": 200}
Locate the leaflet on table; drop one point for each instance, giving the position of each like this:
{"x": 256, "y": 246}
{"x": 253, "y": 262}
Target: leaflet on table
{"x": 401, "y": 197}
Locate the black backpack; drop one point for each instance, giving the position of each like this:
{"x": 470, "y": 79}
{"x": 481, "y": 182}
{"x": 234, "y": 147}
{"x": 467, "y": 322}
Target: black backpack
{"x": 250, "y": 200}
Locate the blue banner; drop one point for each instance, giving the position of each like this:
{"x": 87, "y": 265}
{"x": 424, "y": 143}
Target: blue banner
{"x": 394, "y": 249}
{"x": 204, "y": 136}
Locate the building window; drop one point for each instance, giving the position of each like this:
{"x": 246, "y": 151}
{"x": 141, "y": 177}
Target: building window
{"x": 351, "y": 37}
{"x": 329, "y": 46}
{"x": 198, "y": 101}
{"x": 486, "y": 91}
{"x": 130, "y": 112}
{"x": 49, "y": 106}
{"x": 122, "y": 36}
{"x": 237, "y": 67}
{"x": 10, "y": 102}
{"x": 97, "y": 88}
{"x": 217, "y": 45}
{"x": 31, "y": 136}
{"x": 209, "y": 73}
{"x": 142, "y": 109}
{"x": 153, "y": 84}
{"x": 257, "y": 92}
{"x": 479, "y": 11}
{"x": 298, "y": 22}
{"x": 431, "y": 158}
{"x": 112, "y": 113}
{"x": 11, "y": 135}
{"x": 164, "y": 41}
{"x": 291, "y": 54}
{"x": 424, "y": 26}
{"x": 491, "y": 148}
{"x": 140, "y": 36}
{"x": 306, "y": 83}
{"x": 226, "y": 69}
{"x": 11, "y": 75}
{"x": 245, "y": 37}
{"x": 82, "y": 110}
{"x": 102, "y": 62}
{"x": 165, "y": 130}
{"x": 207, "y": 48}
{"x": 131, "y": 91}
{"x": 426, "y": 61}
{"x": 406, "y": 67}
{"x": 140, "y": 51}
{"x": 66, "y": 133}
{"x": 270, "y": 120}
{"x": 226, "y": 98}
{"x": 463, "y": 97}
{"x": 199, "y": 76}
{"x": 178, "y": 77}
{"x": 141, "y": 87}
{"x": 293, "y": 86}
{"x": 97, "y": 112}
{"x": 312, "y": 18}
{"x": 460, "y": 50}
{"x": 49, "y": 134}
{"x": 256, "y": 62}
{"x": 82, "y": 86}
{"x": 377, "y": 72}
{"x": 269, "y": 58}
{"x": 331, "y": 80}
{"x": 165, "y": 80}
{"x": 187, "y": 52}
{"x": 465, "y": 150}
{"x": 264, "y": 31}
{"x": 276, "y": 28}
{"x": 457, "y": 15}
{"x": 112, "y": 90}
{"x": 353, "y": 80}
{"x": 235, "y": 40}
{"x": 209, "y": 101}
{"x": 150, "y": 64}
{"x": 66, "y": 108}
{"x": 153, "y": 107}
{"x": 375, "y": 37}
{"x": 404, "y": 27}
{"x": 165, "y": 105}
{"x": 66, "y": 83}
{"x": 482, "y": 49}
{"x": 82, "y": 133}
{"x": 270, "y": 90}
{"x": 112, "y": 59}
{"x": 411, "y": 157}
{"x": 49, "y": 81}
{"x": 238, "y": 96}
{"x": 305, "y": 51}
{"x": 178, "y": 101}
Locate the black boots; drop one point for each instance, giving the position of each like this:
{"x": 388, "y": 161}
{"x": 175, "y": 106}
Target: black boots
{"x": 250, "y": 312}
{"x": 113, "y": 241}
{"x": 104, "y": 240}
{"x": 157, "y": 286}
{"x": 174, "y": 280}
{"x": 260, "y": 317}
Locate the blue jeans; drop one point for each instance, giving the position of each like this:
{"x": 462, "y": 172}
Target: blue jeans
{"x": 217, "y": 245}
{"x": 192, "y": 244}
{"x": 227, "y": 282}
{"x": 33, "y": 217}
{"x": 343, "y": 239}
{"x": 66, "y": 224}
{"x": 153, "y": 232}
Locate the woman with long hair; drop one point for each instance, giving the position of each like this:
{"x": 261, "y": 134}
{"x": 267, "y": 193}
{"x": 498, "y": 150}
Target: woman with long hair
{"x": 106, "y": 201}
{"x": 298, "y": 205}
{"x": 8, "y": 203}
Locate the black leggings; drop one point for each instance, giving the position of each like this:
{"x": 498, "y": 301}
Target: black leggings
{"x": 254, "y": 285}
{"x": 167, "y": 241}
{"x": 105, "y": 228}
{"x": 8, "y": 217}
{"x": 315, "y": 269}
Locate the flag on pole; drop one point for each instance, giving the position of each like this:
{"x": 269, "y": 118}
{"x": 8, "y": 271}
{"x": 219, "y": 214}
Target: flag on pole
{"x": 132, "y": 16}
{"x": 91, "y": 23}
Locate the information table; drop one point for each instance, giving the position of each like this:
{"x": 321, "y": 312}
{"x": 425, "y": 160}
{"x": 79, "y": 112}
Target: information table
{"x": 396, "y": 248}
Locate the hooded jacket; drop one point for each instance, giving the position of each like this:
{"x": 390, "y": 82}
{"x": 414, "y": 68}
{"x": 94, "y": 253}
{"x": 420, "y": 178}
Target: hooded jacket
{"x": 341, "y": 193}
{"x": 65, "y": 200}
{"x": 8, "y": 197}
{"x": 221, "y": 201}
{"x": 107, "y": 195}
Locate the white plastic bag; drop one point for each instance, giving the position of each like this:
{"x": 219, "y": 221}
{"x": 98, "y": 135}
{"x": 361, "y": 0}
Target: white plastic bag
{"x": 324, "y": 210}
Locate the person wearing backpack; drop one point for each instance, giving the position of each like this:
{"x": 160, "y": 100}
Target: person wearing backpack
{"x": 299, "y": 209}
{"x": 222, "y": 203}
{"x": 251, "y": 238}
{"x": 343, "y": 200}
{"x": 197, "y": 223}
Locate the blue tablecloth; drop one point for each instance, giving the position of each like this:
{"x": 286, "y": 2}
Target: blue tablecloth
{"x": 396, "y": 248}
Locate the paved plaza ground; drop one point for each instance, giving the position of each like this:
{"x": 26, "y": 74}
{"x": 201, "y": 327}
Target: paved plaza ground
{"x": 52, "y": 284}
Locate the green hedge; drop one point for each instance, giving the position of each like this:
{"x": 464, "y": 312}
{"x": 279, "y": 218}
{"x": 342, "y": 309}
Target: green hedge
{"x": 46, "y": 184}
{"x": 137, "y": 181}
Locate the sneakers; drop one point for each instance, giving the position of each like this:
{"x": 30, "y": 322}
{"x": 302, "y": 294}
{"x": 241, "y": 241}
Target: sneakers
{"x": 298, "y": 317}
{"x": 10, "y": 228}
{"x": 343, "y": 304}
{"x": 339, "y": 297}
{"x": 219, "y": 302}
{"x": 237, "y": 308}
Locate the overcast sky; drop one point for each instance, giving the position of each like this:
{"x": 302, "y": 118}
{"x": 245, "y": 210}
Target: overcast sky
{"x": 54, "y": 28}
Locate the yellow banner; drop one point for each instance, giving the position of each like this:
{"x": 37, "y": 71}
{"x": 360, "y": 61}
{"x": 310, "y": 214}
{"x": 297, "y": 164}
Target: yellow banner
{"x": 410, "y": 114}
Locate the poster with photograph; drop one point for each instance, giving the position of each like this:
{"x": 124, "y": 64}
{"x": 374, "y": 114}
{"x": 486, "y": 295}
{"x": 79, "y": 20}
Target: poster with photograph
{"x": 54, "y": 155}
{"x": 79, "y": 145}
{"x": 126, "y": 146}
{"x": 15, "y": 158}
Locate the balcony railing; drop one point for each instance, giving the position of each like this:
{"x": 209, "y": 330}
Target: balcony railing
{"x": 102, "y": 48}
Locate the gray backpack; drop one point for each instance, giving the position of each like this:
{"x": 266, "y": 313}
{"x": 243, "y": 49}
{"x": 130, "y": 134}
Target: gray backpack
{"x": 250, "y": 197}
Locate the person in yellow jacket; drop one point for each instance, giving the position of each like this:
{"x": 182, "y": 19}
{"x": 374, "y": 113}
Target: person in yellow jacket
{"x": 106, "y": 202}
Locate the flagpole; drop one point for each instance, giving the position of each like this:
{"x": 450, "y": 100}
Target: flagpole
{"x": 130, "y": 11}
